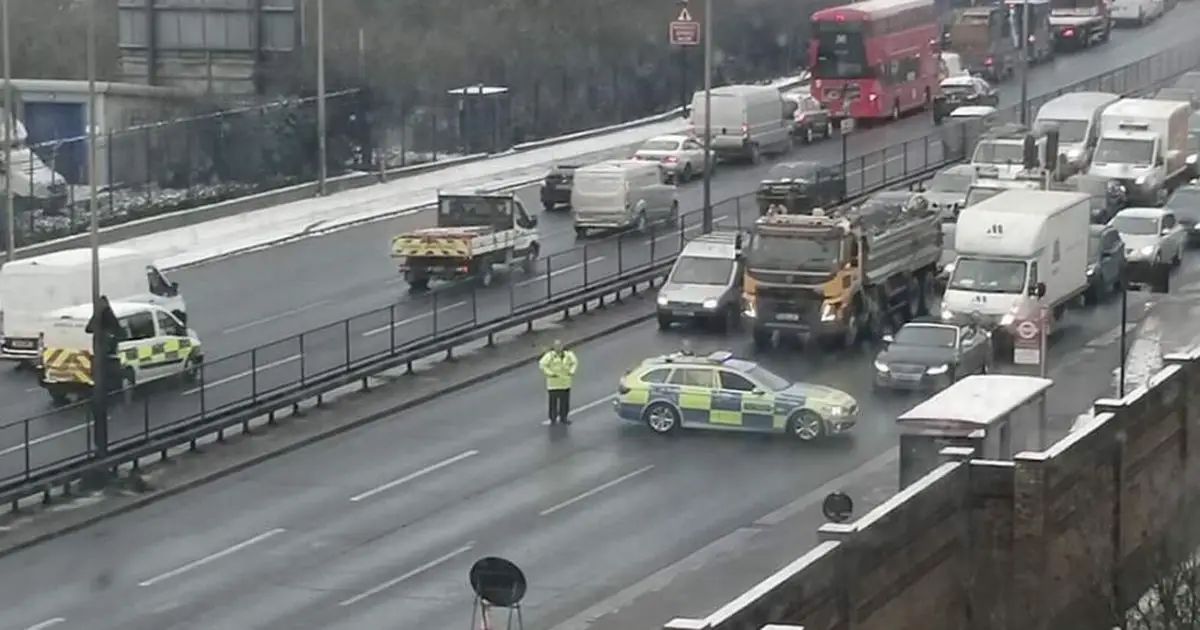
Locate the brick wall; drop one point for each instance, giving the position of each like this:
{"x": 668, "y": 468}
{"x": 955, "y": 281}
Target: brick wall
{"x": 1068, "y": 537}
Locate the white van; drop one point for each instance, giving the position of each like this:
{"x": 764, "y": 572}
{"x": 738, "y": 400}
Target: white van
{"x": 1076, "y": 115}
{"x": 1136, "y": 12}
{"x": 620, "y": 194}
{"x": 31, "y": 287}
{"x": 747, "y": 121}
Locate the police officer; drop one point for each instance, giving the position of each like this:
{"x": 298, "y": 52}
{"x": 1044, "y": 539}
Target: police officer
{"x": 106, "y": 324}
{"x": 558, "y": 365}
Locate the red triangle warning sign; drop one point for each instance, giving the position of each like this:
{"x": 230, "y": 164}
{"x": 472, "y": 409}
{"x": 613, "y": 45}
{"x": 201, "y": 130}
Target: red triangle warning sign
{"x": 684, "y": 15}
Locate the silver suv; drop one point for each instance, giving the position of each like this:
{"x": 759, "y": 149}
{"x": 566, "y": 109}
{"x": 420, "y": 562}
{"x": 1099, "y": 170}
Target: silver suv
{"x": 705, "y": 284}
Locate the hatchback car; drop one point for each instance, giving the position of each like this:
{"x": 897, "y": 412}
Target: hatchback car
{"x": 1106, "y": 263}
{"x": 810, "y": 119}
{"x": 721, "y": 392}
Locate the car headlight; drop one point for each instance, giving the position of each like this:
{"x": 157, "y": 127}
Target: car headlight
{"x": 938, "y": 369}
{"x": 1008, "y": 319}
{"x": 949, "y": 268}
{"x": 836, "y": 411}
{"x": 710, "y": 304}
{"x": 1191, "y": 159}
{"x": 947, "y": 313}
{"x": 1147, "y": 250}
{"x": 662, "y": 301}
{"x": 882, "y": 367}
{"x": 1141, "y": 179}
{"x": 828, "y": 312}
{"x": 1091, "y": 270}
{"x": 1073, "y": 154}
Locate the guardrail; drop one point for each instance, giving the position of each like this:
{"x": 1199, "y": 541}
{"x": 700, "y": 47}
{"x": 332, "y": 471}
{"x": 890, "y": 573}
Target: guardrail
{"x": 55, "y": 449}
{"x": 350, "y": 181}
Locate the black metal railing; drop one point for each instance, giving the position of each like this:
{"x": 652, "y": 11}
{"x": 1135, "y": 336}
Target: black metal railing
{"x": 274, "y": 375}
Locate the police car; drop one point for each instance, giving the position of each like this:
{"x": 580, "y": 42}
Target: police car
{"x": 156, "y": 345}
{"x": 721, "y": 392}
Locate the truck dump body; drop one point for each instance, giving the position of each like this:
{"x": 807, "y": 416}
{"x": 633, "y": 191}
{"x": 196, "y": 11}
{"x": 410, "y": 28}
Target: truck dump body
{"x": 435, "y": 242}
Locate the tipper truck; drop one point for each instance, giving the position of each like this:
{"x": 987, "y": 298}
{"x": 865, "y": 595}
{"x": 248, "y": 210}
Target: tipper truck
{"x": 1017, "y": 251}
{"x": 475, "y": 233}
{"x": 838, "y": 276}
{"x": 1078, "y": 24}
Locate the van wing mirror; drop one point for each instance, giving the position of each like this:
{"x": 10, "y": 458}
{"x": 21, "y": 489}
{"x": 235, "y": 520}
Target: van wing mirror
{"x": 1038, "y": 290}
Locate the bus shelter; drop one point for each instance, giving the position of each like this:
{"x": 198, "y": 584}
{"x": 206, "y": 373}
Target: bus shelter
{"x": 979, "y": 412}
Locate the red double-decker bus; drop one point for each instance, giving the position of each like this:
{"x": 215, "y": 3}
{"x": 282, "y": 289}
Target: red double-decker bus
{"x": 885, "y": 50}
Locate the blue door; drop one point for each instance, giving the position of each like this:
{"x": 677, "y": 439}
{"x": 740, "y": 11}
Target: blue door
{"x": 61, "y": 124}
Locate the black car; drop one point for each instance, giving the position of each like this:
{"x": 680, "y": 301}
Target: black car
{"x": 961, "y": 91}
{"x": 810, "y": 119}
{"x": 1185, "y": 203}
{"x": 1106, "y": 263}
{"x": 799, "y": 187}
{"x": 929, "y": 354}
{"x": 556, "y": 187}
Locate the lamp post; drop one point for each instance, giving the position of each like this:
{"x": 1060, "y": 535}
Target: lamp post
{"x": 321, "y": 131}
{"x": 9, "y": 119}
{"x": 707, "y": 212}
{"x": 100, "y": 362}
{"x": 1025, "y": 45}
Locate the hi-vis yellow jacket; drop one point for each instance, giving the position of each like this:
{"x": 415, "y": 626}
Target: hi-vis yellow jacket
{"x": 559, "y": 368}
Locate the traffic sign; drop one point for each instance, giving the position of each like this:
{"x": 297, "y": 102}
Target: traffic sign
{"x": 1027, "y": 342}
{"x": 684, "y": 31}
{"x": 846, "y": 125}
{"x": 1028, "y": 330}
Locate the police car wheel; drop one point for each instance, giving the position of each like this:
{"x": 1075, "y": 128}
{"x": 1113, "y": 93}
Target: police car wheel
{"x": 806, "y": 425}
{"x": 191, "y": 369}
{"x": 661, "y": 418}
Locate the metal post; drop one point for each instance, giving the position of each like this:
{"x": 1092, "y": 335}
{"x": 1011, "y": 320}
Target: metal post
{"x": 321, "y": 131}
{"x": 10, "y": 222}
{"x": 707, "y": 34}
{"x": 1043, "y": 341}
{"x": 1025, "y": 62}
{"x": 1121, "y": 358}
{"x": 100, "y": 362}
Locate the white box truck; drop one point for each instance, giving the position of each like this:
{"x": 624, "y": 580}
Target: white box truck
{"x": 32, "y": 287}
{"x": 1144, "y": 146}
{"x": 1018, "y": 251}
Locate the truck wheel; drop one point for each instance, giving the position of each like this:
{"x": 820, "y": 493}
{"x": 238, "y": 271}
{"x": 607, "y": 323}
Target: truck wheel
{"x": 853, "y": 328}
{"x": 929, "y": 293}
{"x": 418, "y": 284}
{"x": 59, "y": 398}
{"x": 639, "y": 225}
{"x": 664, "y": 322}
{"x": 762, "y": 339}
{"x": 755, "y": 155}
{"x": 548, "y": 206}
{"x": 913, "y": 299}
{"x": 485, "y": 275}
{"x": 580, "y": 232}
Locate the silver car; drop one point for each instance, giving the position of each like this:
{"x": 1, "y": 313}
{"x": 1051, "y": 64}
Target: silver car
{"x": 947, "y": 191}
{"x": 705, "y": 284}
{"x": 1152, "y": 236}
{"x": 681, "y": 157}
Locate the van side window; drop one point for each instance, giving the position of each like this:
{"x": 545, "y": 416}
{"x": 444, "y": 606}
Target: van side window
{"x": 168, "y": 325}
{"x": 138, "y": 326}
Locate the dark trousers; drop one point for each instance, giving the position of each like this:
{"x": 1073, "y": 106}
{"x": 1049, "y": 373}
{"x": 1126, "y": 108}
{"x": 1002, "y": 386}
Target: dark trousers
{"x": 560, "y": 404}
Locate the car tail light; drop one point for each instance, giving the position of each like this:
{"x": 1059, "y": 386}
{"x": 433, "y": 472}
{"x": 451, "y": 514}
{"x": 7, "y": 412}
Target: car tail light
{"x": 801, "y": 116}
{"x": 987, "y": 61}
{"x": 1070, "y": 32}
{"x": 745, "y": 130}
{"x": 670, "y": 159}
{"x": 872, "y": 97}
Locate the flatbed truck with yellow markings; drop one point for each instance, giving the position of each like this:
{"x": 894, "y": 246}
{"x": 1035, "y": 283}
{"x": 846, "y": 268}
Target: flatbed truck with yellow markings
{"x": 476, "y": 233}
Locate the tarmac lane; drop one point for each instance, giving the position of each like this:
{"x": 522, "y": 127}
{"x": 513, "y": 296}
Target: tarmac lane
{"x": 381, "y": 524}
{"x": 246, "y": 300}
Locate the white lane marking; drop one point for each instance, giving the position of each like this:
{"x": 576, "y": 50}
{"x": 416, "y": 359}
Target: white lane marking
{"x": 271, "y": 318}
{"x": 594, "y": 491}
{"x": 675, "y": 233}
{"x": 43, "y": 438}
{"x": 414, "y": 475}
{"x": 212, "y": 557}
{"x": 556, "y": 272}
{"x": 582, "y": 408}
{"x": 409, "y": 320}
{"x": 408, "y": 576}
{"x": 47, "y": 623}
{"x": 241, "y": 375}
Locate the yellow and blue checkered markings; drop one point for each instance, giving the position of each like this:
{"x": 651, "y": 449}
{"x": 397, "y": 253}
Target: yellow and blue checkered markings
{"x": 158, "y": 354}
{"x": 712, "y": 407}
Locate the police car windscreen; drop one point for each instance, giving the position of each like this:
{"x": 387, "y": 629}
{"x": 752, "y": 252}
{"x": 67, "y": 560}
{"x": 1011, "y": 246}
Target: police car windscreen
{"x": 1136, "y": 226}
{"x": 988, "y": 276}
{"x": 1124, "y": 151}
{"x": 770, "y": 251}
{"x": 693, "y": 270}
{"x": 950, "y": 183}
{"x": 989, "y": 152}
{"x": 768, "y": 379}
{"x": 1069, "y": 131}
{"x": 472, "y": 211}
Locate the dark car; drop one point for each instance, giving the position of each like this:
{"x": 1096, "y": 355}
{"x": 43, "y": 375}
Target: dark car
{"x": 960, "y": 91}
{"x": 556, "y": 187}
{"x": 1185, "y": 203}
{"x": 928, "y": 354}
{"x": 810, "y": 119}
{"x": 1106, "y": 263}
{"x": 799, "y": 187}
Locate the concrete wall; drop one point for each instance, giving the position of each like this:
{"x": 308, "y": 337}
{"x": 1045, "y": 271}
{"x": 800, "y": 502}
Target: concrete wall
{"x": 1069, "y": 537}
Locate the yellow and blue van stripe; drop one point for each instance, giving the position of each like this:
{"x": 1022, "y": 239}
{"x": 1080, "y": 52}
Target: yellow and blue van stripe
{"x": 166, "y": 352}
{"x": 711, "y": 407}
